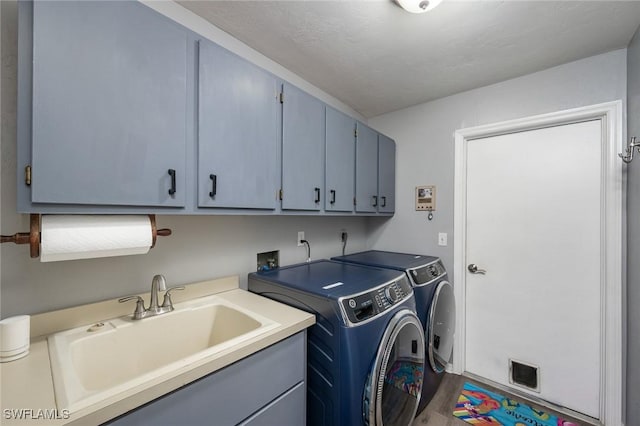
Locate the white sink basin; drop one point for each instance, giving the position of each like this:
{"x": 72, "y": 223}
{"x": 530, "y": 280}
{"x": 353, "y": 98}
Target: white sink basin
{"x": 91, "y": 363}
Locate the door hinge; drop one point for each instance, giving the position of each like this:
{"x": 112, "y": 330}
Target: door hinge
{"x": 280, "y": 195}
{"x": 354, "y": 201}
{"x": 281, "y": 97}
{"x": 355, "y": 133}
{"x": 27, "y": 175}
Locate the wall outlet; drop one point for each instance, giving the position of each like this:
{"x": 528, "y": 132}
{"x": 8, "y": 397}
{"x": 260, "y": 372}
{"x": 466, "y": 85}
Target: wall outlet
{"x": 344, "y": 235}
{"x": 442, "y": 239}
{"x": 300, "y": 237}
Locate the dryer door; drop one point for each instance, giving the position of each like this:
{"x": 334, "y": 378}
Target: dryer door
{"x": 442, "y": 321}
{"x": 395, "y": 380}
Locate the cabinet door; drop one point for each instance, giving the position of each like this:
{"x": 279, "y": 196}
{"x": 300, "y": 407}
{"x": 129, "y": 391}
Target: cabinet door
{"x": 109, "y": 105}
{"x": 238, "y": 132}
{"x": 366, "y": 169}
{"x": 386, "y": 174}
{"x": 340, "y": 162}
{"x": 303, "y": 122}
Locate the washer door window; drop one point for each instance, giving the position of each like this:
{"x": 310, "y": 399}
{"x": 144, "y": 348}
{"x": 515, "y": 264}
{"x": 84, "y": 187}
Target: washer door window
{"x": 395, "y": 382}
{"x": 439, "y": 333}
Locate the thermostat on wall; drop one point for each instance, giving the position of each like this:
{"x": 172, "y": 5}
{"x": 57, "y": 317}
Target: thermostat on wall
{"x": 426, "y": 198}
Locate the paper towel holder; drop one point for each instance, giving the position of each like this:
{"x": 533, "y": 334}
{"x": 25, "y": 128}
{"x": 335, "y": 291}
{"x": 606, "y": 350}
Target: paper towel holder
{"x": 33, "y": 236}
{"x": 155, "y": 232}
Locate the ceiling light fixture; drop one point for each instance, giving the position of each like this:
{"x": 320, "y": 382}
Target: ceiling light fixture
{"x": 418, "y": 6}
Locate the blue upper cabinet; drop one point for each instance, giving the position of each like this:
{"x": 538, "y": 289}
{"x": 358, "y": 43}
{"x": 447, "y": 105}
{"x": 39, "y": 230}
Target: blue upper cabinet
{"x": 340, "y": 162}
{"x": 108, "y": 105}
{"x": 386, "y": 174}
{"x": 303, "y": 135}
{"x": 122, "y": 110}
{"x": 366, "y": 169}
{"x": 237, "y": 132}
{"x": 375, "y": 171}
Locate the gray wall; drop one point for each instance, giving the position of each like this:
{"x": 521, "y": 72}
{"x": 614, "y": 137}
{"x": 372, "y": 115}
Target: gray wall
{"x": 633, "y": 237}
{"x": 200, "y": 247}
{"x": 424, "y": 136}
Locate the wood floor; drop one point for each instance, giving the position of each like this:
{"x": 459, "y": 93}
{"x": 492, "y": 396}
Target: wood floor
{"x": 440, "y": 409}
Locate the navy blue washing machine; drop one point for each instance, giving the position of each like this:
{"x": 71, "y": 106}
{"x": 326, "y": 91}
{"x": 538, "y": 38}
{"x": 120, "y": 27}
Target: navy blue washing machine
{"x": 435, "y": 306}
{"x": 365, "y": 354}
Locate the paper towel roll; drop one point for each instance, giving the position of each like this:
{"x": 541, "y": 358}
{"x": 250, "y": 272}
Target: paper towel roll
{"x": 68, "y": 237}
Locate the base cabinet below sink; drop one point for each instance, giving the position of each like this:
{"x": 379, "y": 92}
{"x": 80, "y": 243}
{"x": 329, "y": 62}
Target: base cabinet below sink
{"x": 267, "y": 388}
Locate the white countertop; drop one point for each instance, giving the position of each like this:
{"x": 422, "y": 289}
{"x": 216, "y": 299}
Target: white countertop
{"x": 26, "y": 385}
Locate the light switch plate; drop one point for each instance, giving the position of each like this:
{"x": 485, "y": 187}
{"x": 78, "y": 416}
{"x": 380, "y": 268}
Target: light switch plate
{"x": 442, "y": 239}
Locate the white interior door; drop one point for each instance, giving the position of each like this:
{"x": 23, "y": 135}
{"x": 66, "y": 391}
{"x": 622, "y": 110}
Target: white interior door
{"x": 533, "y": 222}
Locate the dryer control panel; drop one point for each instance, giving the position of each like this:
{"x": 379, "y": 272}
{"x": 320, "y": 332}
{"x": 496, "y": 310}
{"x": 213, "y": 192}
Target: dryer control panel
{"x": 426, "y": 274}
{"x": 361, "y": 307}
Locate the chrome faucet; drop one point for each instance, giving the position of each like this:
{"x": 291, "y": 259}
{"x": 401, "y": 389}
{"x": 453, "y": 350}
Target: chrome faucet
{"x": 157, "y": 284}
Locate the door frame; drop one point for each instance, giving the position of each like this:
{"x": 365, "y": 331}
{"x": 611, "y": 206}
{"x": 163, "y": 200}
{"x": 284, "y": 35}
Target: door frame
{"x": 612, "y": 321}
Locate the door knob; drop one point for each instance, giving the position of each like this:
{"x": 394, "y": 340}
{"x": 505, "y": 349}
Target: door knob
{"x": 473, "y": 268}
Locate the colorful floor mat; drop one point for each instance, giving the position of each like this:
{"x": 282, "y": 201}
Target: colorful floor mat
{"x": 478, "y": 406}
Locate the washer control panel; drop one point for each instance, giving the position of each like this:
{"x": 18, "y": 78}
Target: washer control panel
{"x": 364, "y": 306}
{"x": 428, "y": 273}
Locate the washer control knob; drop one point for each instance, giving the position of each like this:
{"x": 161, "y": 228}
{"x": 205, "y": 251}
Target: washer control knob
{"x": 391, "y": 294}
{"x": 352, "y": 303}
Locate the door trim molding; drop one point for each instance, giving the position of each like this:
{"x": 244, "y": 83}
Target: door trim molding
{"x": 612, "y": 321}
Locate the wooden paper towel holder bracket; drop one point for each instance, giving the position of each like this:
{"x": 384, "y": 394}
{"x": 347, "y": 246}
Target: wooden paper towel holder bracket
{"x": 155, "y": 232}
{"x": 33, "y": 236}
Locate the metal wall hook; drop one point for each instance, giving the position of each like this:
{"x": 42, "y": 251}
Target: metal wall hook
{"x": 628, "y": 156}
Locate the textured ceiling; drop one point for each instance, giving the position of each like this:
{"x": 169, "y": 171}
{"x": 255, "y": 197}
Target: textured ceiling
{"x": 377, "y": 58}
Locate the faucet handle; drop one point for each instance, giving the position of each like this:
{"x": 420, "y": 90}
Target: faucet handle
{"x": 140, "y": 310}
{"x": 166, "y": 302}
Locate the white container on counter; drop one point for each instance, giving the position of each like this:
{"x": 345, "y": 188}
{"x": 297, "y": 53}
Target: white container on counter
{"x": 14, "y": 337}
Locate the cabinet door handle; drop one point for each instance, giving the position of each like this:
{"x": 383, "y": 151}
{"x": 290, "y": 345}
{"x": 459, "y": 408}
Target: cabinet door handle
{"x": 172, "y": 173}
{"x": 333, "y": 196}
{"x": 317, "y": 200}
{"x": 384, "y": 202}
{"x": 214, "y": 186}
{"x": 375, "y": 201}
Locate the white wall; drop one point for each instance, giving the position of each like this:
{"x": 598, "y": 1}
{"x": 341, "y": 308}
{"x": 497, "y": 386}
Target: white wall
{"x": 200, "y": 247}
{"x": 424, "y": 135}
{"x": 633, "y": 238}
